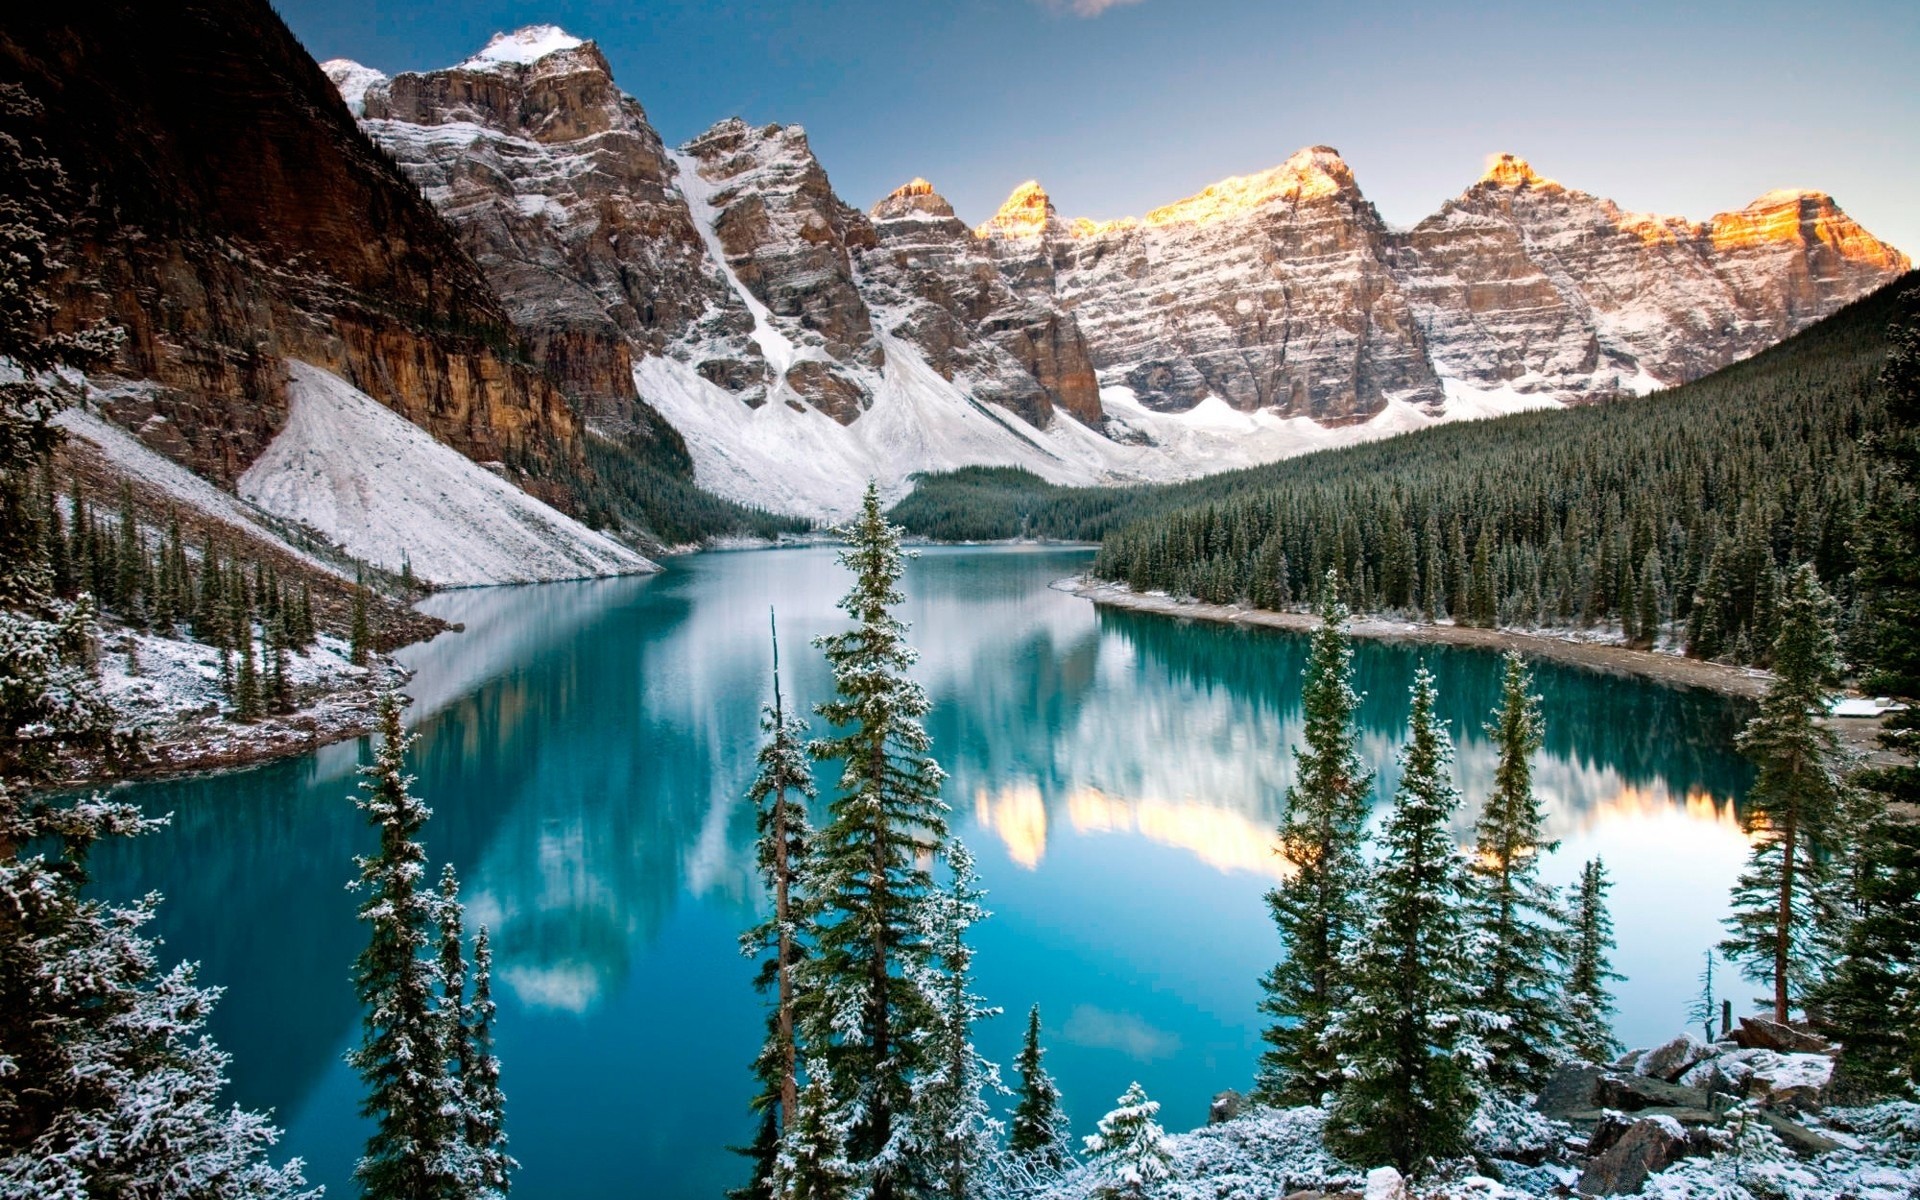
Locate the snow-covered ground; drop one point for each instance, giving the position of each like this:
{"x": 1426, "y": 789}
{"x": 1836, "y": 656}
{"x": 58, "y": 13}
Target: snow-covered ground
{"x": 386, "y": 492}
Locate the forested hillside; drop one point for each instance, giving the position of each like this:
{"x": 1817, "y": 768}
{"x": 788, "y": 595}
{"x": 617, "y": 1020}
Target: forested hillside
{"x": 1622, "y": 513}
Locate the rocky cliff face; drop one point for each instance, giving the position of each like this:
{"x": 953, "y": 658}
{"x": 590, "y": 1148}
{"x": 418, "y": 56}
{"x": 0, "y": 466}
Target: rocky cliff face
{"x": 1268, "y": 314}
{"x": 231, "y": 216}
{"x": 1270, "y": 291}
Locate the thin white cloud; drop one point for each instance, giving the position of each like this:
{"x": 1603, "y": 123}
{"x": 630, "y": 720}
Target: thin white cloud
{"x": 1084, "y": 8}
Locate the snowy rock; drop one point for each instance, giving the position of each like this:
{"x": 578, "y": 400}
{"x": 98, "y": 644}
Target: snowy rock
{"x": 1385, "y": 1183}
{"x": 1570, "y": 1090}
{"x": 1790, "y": 1081}
{"x": 1225, "y": 1107}
{"x": 1670, "y": 1061}
{"x": 1758, "y": 1033}
{"x": 1647, "y": 1146}
{"x": 387, "y": 492}
{"x": 1630, "y": 1093}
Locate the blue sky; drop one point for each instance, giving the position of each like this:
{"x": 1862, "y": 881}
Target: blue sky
{"x": 1120, "y": 105}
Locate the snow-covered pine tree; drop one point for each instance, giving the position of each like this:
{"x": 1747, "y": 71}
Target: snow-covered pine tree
{"x": 956, "y": 1130}
{"x": 1131, "y": 1150}
{"x": 1518, "y": 921}
{"x": 813, "y": 1162}
{"x": 1317, "y": 909}
{"x": 453, "y": 1019}
{"x": 360, "y": 635}
{"x": 402, "y": 1055}
{"x": 865, "y": 1023}
{"x": 110, "y": 1084}
{"x": 486, "y": 1105}
{"x": 779, "y": 793}
{"x": 1792, "y": 811}
{"x": 1589, "y": 1015}
{"x": 1039, "y": 1136}
{"x": 1407, "y": 1037}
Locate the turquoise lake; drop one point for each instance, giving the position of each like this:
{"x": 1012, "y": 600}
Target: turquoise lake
{"x": 584, "y": 747}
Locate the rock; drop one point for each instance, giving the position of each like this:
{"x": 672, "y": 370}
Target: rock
{"x": 1225, "y": 1107}
{"x": 1799, "y": 1138}
{"x": 1630, "y": 1093}
{"x": 1646, "y": 1146}
{"x": 1627, "y": 1063}
{"x": 1713, "y": 1077}
{"x": 1791, "y": 1082}
{"x": 1570, "y": 1089}
{"x": 1385, "y": 1183}
{"x": 1758, "y": 1033}
{"x": 1670, "y": 1061}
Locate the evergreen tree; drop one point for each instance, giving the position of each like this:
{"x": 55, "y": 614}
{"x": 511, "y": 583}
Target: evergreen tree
{"x": 1131, "y": 1150}
{"x": 247, "y": 701}
{"x": 360, "y": 638}
{"x": 779, "y": 794}
{"x": 1407, "y": 1039}
{"x": 1706, "y": 1007}
{"x": 813, "y": 1163}
{"x": 1517, "y": 919}
{"x": 111, "y": 1086}
{"x": 454, "y": 1038}
{"x": 1872, "y": 1003}
{"x": 1317, "y": 909}
{"x": 416, "y": 1144}
{"x": 1793, "y": 809}
{"x": 486, "y": 1105}
{"x": 1039, "y": 1136}
{"x": 956, "y": 1131}
{"x": 865, "y": 1022}
{"x": 1589, "y": 1020}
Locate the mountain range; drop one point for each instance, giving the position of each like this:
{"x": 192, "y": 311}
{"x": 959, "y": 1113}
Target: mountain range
{"x": 508, "y": 255}
{"x": 801, "y": 346}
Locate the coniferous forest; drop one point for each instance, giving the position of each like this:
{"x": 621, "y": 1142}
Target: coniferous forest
{"x": 1675, "y": 517}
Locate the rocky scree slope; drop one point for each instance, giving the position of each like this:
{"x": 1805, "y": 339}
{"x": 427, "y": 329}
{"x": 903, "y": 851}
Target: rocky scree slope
{"x": 1266, "y": 315}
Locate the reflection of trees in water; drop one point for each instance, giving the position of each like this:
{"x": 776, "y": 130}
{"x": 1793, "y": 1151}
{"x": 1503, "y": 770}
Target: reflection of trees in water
{"x": 1204, "y": 718}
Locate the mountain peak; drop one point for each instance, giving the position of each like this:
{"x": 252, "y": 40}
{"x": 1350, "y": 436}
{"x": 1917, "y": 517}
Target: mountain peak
{"x": 1307, "y": 173}
{"x": 1510, "y": 170}
{"x": 351, "y": 80}
{"x": 915, "y": 197}
{"x": 1028, "y": 212}
{"x": 523, "y": 47}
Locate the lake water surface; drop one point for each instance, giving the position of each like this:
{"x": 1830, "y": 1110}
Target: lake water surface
{"x": 584, "y": 747}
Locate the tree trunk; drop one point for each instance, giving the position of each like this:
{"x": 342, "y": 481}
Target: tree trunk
{"x": 1783, "y": 924}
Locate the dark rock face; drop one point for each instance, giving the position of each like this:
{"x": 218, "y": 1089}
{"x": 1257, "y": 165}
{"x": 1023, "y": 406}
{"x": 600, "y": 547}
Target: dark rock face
{"x": 1670, "y": 1061}
{"x": 1225, "y": 1107}
{"x": 1570, "y": 1090}
{"x": 1643, "y": 1148}
{"x": 234, "y": 216}
{"x": 1758, "y": 1033}
{"x": 565, "y": 196}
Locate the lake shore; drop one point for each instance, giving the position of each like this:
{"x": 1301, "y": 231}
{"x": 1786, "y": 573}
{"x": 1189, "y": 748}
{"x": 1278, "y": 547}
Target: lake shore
{"x": 1674, "y": 670}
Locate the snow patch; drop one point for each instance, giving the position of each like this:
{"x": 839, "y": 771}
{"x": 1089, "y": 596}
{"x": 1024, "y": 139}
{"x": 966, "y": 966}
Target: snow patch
{"x": 388, "y": 493}
{"x": 523, "y": 47}
{"x": 352, "y": 80}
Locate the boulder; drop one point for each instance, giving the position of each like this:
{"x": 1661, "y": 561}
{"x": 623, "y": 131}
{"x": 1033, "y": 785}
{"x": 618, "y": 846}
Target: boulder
{"x": 1225, "y": 1107}
{"x": 1791, "y": 1082}
{"x": 1646, "y": 1146}
{"x": 1569, "y": 1090}
{"x": 1758, "y": 1033}
{"x": 1799, "y": 1138}
{"x": 1385, "y": 1183}
{"x": 1631, "y": 1093}
{"x": 1716, "y": 1077}
{"x": 1672, "y": 1060}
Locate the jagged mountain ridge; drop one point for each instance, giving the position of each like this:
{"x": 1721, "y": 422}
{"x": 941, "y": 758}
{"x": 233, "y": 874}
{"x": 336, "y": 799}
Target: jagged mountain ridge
{"x": 1265, "y": 315}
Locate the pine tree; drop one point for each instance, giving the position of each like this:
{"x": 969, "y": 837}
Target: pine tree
{"x": 813, "y": 1163}
{"x": 1793, "y": 809}
{"x": 459, "y": 1166}
{"x": 1406, "y": 1038}
{"x": 1517, "y": 919}
{"x": 865, "y": 1023}
{"x": 401, "y": 1057}
{"x": 246, "y": 689}
{"x": 957, "y": 1133}
{"x": 1039, "y": 1138}
{"x": 1872, "y": 1003}
{"x": 1317, "y": 909}
{"x": 112, "y": 1086}
{"x": 360, "y": 639}
{"x": 486, "y": 1106}
{"x": 1706, "y": 1007}
{"x": 1589, "y": 1019}
{"x": 779, "y": 794}
{"x": 1131, "y": 1150}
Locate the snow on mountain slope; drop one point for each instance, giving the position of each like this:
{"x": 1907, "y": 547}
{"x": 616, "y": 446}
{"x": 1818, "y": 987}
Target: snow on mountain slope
{"x": 132, "y": 458}
{"x": 388, "y": 493}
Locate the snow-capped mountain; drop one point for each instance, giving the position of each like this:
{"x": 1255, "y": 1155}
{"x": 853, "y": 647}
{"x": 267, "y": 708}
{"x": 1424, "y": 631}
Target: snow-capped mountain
{"x": 801, "y": 346}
